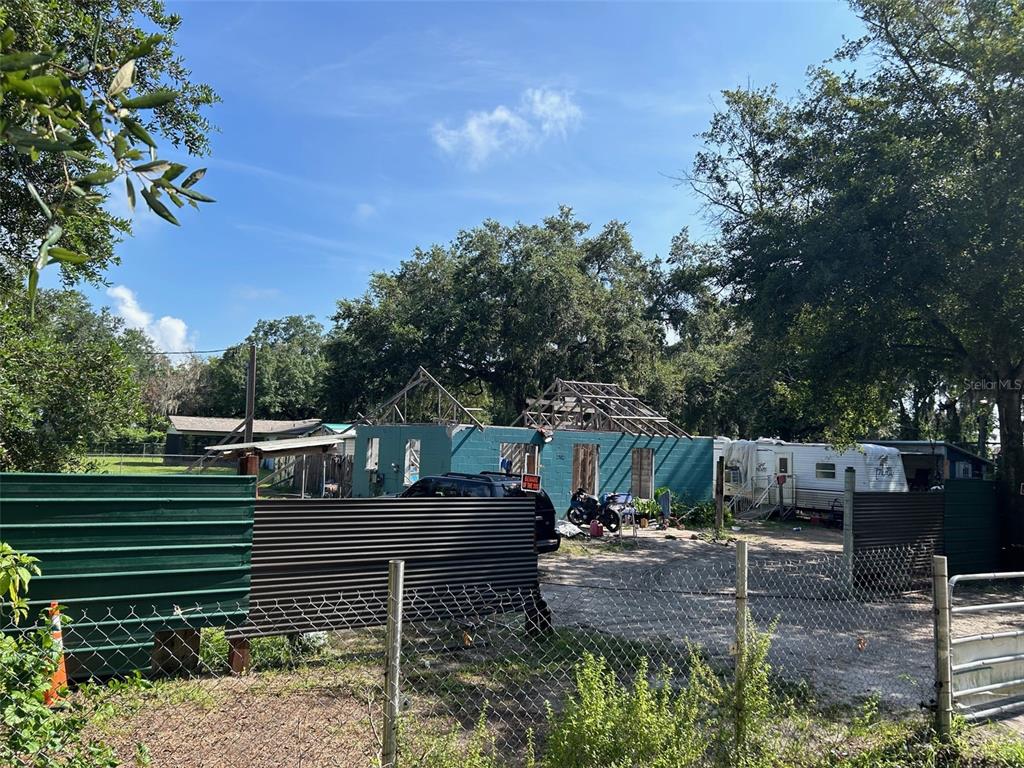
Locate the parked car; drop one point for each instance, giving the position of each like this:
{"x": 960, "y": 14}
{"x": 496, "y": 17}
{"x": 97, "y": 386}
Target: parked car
{"x": 492, "y": 484}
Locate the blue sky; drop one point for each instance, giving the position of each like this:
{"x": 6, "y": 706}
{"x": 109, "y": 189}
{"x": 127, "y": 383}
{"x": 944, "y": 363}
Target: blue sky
{"x": 351, "y": 133}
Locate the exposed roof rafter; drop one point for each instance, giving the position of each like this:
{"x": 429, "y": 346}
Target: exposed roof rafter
{"x": 427, "y": 394}
{"x": 597, "y": 406}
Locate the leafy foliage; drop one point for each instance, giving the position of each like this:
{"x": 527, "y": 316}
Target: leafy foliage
{"x": 65, "y": 383}
{"x": 290, "y": 370}
{"x": 33, "y": 734}
{"x": 502, "y": 311}
{"x": 609, "y": 725}
{"x": 659, "y": 722}
{"x": 451, "y": 750}
{"x": 16, "y": 571}
{"x": 874, "y": 224}
{"x": 83, "y": 90}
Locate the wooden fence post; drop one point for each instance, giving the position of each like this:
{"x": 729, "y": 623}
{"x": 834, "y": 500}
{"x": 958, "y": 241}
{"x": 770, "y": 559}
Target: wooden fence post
{"x": 392, "y": 669}
{"x": 943, "y": 662}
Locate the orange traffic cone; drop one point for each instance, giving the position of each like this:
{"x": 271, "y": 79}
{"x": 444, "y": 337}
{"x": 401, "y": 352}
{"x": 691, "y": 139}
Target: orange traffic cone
{"x": 59, "y": 681}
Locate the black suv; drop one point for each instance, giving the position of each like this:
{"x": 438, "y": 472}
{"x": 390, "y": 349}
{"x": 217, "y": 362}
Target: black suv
{"x": 492, "y": 484}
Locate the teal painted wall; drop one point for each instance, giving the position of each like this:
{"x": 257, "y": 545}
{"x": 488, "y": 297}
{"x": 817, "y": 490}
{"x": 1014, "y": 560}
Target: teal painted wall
{"x": 435, "y": 454}
{"x": 681, "y": 464}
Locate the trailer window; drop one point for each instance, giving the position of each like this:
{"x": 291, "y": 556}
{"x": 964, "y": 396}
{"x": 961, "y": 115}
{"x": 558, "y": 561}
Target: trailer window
{"x": 824, "y": 471}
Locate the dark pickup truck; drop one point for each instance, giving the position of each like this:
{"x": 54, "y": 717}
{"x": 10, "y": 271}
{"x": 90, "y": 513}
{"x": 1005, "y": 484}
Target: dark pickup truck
{"x": 492, "y": 484}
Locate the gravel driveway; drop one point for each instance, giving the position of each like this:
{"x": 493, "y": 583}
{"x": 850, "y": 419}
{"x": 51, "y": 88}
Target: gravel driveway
{"x": 846, "y": 646}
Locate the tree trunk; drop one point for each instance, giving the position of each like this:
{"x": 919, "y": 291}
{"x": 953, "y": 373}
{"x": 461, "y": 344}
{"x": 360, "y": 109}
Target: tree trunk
{"x": 1011, "y": 464}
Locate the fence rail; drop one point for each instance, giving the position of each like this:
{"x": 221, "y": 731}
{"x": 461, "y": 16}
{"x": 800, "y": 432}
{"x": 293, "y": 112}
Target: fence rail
{"x": 985, "y": 644}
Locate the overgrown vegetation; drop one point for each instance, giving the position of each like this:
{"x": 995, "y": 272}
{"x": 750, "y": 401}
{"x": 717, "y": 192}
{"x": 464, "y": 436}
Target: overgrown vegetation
{"x": 627, "y": 715}
{"x": 34, "y": 734}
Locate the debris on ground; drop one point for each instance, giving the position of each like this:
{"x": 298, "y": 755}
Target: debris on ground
{"x": 569, "y": 531}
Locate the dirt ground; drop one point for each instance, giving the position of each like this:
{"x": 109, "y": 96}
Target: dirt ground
{"x": 257, "y": 722}
{"x": 845, "y": 648}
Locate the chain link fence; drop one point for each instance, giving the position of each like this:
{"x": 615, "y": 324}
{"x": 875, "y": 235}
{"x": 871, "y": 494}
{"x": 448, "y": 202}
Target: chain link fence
{"x": 205, "y": 687}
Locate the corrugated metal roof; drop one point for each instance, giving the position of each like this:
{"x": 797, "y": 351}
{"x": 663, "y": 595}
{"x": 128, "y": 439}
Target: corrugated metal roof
{"x": 339, "y": 427}
{"x": 319, "y": 443}
{"x": 930, "y": 447}
{"x": 216, "y": 425}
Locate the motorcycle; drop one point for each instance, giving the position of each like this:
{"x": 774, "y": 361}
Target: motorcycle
{"x": 584, "y": 508}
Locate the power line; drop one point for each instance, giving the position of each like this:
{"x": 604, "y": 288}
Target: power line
{"x": 191, "y": 352}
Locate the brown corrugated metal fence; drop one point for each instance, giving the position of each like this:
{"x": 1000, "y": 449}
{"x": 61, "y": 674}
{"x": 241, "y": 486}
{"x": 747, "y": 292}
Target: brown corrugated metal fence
{"x": 314, "y": 559}
{"x": 899, "y": 521}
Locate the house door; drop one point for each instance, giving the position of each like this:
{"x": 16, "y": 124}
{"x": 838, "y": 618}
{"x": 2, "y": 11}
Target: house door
{"x": 584, "y": 467}
{"x": 784, "y": 466}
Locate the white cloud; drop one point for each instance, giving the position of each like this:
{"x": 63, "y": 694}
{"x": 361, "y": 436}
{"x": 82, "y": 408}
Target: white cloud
{"x": 554, "y": 110}
{"x": 541, "y": 114}
{"x": 365, "y": 211}
{"x": 169, "y": 334}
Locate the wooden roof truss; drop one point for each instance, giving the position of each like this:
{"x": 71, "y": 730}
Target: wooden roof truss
{"x": 422, "y": 400}
{"x": 595, "y": 406}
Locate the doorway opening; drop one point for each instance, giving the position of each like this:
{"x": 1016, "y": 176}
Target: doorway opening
{"x": 584, "y": 467}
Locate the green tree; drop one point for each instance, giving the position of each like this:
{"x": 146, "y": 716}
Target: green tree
{"x": 85, "y": 85}
{"x": 291, "y": 371}
{"x": 65, "y": 383}
{"x": 500, "y": 313}
{"x": 876, "y": 223}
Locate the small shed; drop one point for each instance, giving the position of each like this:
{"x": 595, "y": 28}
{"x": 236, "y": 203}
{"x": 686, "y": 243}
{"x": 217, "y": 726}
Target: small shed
{"x": 188, "y": 435}
{"x": 930, "y": 463}
{"x": 314, "y": 466}
{"x": 593, "y": 435}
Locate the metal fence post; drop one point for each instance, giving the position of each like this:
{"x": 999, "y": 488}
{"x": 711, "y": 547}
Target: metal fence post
{"x": 943, "y": 663}
{"x": 742, "y": 667}
{"x": 392, "y": 670}
{"x": 849, "y": 484}
{"x": 719, "y": 496}
{"x": 741, "y": 600}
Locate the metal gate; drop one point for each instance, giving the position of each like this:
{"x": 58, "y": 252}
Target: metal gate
{"x": 986, "y": 643}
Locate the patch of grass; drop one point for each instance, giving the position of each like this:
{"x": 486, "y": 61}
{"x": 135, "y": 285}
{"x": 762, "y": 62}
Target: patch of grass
{"x": 145, "y": 465}
{"x": 591, "y": 547}
{"x": 268, "y": 653}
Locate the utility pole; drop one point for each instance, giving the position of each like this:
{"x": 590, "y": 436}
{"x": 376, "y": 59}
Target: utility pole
{"x": 250, "y": 394}
{"x": 249, "y": 463}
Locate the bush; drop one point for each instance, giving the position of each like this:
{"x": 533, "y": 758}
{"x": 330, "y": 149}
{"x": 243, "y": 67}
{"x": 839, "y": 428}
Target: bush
{"x": 450, "y": 750}
{"x": 606, "y": 724}
{"x": 705, "y": 721}
{"x": 32, "y": 734}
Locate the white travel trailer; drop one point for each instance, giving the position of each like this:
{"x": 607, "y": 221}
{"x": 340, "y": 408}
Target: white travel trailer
{"x": 812, "y": 473}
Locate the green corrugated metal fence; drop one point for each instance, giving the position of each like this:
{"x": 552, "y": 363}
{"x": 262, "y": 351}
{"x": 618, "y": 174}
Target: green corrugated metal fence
{"x": 971, "y": 526}
{"x": 128, "y": 553}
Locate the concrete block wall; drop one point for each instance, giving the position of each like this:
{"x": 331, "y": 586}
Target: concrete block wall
{"x": 681, "y": 464}
{"x": 435, "y": 454}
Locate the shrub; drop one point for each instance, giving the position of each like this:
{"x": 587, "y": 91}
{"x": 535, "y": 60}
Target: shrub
{"x": 607, "y": 724}
{"x": 705, "y": 721}
{"x": 32, "y": 734}
{"x": 450, "y": 750}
